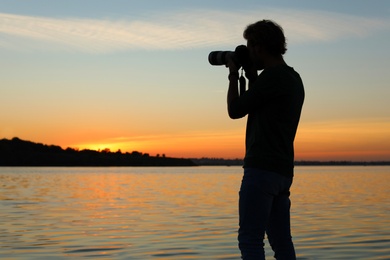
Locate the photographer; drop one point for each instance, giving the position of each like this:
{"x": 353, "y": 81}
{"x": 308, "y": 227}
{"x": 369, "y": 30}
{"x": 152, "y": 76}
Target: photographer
{"x": 273, "y": 103}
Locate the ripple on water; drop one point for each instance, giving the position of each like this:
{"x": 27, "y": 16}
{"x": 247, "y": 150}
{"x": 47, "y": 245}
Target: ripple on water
{"x": 183, "y": 213}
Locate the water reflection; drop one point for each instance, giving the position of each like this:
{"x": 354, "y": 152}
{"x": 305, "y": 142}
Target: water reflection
{"x": 341, "y": 210}
{"x": 183, "y": 213}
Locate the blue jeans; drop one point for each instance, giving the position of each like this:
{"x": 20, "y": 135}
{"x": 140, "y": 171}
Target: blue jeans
{"x": 264, "y": 207}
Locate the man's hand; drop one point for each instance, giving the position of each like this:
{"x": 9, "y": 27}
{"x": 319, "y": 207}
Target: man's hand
{"x": 231, "y": 64}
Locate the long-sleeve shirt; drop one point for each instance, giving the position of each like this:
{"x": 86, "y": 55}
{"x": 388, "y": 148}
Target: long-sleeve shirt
{"x": 273, "y": 104}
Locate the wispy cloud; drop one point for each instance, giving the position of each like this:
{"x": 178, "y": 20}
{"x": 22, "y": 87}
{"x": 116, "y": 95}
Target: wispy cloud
{"x": 189, "y": 29}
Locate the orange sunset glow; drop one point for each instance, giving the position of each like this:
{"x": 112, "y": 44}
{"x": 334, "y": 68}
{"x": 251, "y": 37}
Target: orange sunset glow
{"x": 113, "y": 78}
{"x": 349, "y": 140}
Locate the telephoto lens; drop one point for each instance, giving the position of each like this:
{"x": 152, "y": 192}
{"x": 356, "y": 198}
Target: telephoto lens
{"x": 218, "y": 58}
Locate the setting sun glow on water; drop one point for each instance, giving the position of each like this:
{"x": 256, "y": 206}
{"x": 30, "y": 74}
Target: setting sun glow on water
{"x": 184, "y": 213}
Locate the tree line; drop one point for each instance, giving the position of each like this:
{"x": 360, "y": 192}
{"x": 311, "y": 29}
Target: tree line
{"x": 17, "y": 152}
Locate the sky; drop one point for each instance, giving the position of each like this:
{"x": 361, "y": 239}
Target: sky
{"x": 134, "y": 75}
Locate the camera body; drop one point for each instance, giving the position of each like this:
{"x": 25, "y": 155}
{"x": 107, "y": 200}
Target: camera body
{"x": 240, "y": 56}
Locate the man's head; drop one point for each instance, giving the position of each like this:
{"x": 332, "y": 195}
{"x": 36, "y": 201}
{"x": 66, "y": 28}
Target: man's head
{"x": 265, "y": 39}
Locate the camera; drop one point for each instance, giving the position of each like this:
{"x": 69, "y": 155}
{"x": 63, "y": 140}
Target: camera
{"x": 240, "y": 57}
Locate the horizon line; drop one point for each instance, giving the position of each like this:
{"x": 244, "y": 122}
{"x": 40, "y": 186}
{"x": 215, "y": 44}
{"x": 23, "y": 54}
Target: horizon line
{"x": 198, "y": 158}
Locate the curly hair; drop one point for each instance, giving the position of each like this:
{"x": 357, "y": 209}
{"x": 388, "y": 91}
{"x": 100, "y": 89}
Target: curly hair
{"x": 267, "y": 33}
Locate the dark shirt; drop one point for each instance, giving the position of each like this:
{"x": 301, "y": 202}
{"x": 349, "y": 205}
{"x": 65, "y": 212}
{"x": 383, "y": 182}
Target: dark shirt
{"x": 273, "y": 104}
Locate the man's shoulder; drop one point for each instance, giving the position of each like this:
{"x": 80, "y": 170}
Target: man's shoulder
{"x": 279, "y": 75}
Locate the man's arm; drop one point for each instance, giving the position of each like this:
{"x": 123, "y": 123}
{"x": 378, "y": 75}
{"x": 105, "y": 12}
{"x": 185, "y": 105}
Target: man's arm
{"x": 232, "y": 91}
{"x": 233, "y": 85}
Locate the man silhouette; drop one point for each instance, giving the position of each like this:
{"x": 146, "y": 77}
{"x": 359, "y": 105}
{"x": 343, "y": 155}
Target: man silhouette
{"x": 273, "y": 103}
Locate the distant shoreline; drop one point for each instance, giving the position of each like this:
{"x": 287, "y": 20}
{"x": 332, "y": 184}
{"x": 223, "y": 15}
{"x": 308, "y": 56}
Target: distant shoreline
{"x": 239, "y": 162}
{"x": 216, "y": 165}
{"x": 19, "y": 153}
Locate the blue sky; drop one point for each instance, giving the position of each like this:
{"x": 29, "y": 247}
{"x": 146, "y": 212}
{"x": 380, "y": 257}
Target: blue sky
{"x": 134, "y": 74}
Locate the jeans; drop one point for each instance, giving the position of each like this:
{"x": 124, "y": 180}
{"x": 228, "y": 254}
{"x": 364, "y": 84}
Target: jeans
{"x": 264, "y": 207}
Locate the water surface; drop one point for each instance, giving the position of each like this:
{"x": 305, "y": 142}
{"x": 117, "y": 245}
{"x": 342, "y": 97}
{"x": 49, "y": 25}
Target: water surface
{"x": 184, "y": 213}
